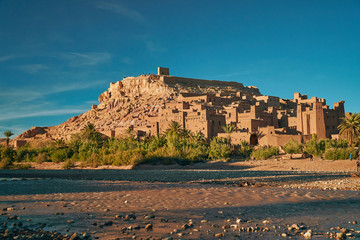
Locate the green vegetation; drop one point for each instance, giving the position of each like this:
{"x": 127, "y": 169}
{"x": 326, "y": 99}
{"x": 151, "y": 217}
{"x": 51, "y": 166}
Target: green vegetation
{"x": 245, "y": 150}
{"x": 263, "y": 153}
{"x": 90, "y": 148}
{"x": 8, "y": 134}
{"x": 293, "y": 147}
{"x": 350, "y": 127}
{"x": 330, "y": 149}
{"x": 219, "y": 149}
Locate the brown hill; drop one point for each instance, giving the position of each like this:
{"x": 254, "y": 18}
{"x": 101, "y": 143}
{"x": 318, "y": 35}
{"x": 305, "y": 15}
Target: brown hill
{"x": 132, "y": 101}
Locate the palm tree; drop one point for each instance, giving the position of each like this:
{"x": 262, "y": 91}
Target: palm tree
{"x": 8, "y": 134}
{"x": 174, "y": 128}
{"x": 229, "y": 128}
{"x": 59, "y": 143}
{"x": 350, "y": 127}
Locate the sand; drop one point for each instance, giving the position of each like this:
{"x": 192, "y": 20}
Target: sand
{"x": 192, "y": 202}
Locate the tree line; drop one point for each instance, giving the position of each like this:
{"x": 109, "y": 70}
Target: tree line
{"x": 175, "y": 145}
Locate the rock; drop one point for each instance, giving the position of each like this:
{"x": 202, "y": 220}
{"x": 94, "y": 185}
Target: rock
{"x": 225, "y": 227}
{"x": 284, "y": 235}
{"x": 308, "y": 234}
{"x": 106, "y": 210}
{"x": 85, "y": 235}
{"x": 293, "y": 227}
{"x": 74, "y": 236}
{"x": 187, "y": 226}
{"x": 219, "y": 235}
{"x": 340, "y": 236}
{"x": 108, "y": 223}
{"x": 149, "y": 227}
{"x": 354, "y": 222}
{"x": 130, "y": 217}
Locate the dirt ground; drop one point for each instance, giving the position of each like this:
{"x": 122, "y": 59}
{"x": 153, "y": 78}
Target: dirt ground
{"x": 273, "y": 199}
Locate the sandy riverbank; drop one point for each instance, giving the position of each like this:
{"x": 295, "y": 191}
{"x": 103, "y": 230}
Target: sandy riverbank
{"x": 203, "y": 201}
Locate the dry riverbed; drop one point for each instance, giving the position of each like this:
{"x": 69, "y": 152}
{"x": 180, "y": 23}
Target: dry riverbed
{"x": 204, "y": 201}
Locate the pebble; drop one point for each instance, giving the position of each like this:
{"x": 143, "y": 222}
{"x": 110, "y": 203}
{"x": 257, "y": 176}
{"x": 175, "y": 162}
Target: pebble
{"x": 219, "y": 235}
{"x": 130, "y": 217}
{"x": 308, "y": 234}
{"x": 108, "y": 223}
{"x": 149, "y": 227}
{"x": 340, "y": 236}
{"x": 293, "y": 227}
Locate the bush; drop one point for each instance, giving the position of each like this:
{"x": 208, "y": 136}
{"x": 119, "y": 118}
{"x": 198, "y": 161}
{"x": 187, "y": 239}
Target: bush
{"x": 60, "y": 155}
{"x": 25, "y": 154}
{"x": 314, "y": 147}
{"x": 219, "y": 149}
{"x": 42, "y": 157}
{"x": 339, "y": 153}
{"x": 68, "y": 164}
{"x": 293, "y": 147}
{"x": 7, "y": 152}
{"x": 263, "y": 153}
{"x": 94, "y": 160}
{"x": 245, "y": 149}
{"x": 6, "y": 163}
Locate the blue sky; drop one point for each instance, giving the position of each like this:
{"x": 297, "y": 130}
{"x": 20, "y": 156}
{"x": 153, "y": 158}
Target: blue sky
{"x": 57, "y": 57}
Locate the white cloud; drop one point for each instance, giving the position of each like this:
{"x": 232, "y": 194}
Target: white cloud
{"x": 14, "y": 95}
{"x": 11, "y": 116}
{"x": 121, "y": 10}
{"x": 153, "y": 47}
{"x": 85, "y": 59}
{"x": 33, "y": 68}
{"x": 16, "y": 129}
{"x": 8, "y": 57}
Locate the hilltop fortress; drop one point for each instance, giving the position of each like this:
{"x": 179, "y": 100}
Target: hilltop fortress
{"x": 149, "y": 103}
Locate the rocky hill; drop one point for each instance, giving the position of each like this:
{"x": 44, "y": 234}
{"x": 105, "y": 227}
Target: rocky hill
{"x": 131, "y": 101}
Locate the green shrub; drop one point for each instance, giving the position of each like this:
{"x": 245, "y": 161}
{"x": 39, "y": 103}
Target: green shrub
{"x": 245, "y": 150}
{"x": 68, "y": 164}
{"x": 60, "y": 155}
{"x": 93, "y": 160}
{"x": 6, "y": 163}
{"x": 219, "y": 149}
{"x": 263, "y": 153}
{"x": 42, "y": 157}
{"x": 21, "y": 166}
{"x": 314, "y": 147}
{"x": 156, "y": 143}
{"x": 25, "y": 154}
{"x": 195, "y": 154}
{"x": 8, "y": 152}
{"x": 293, "y": 147}
{"x": 339, "y": 153}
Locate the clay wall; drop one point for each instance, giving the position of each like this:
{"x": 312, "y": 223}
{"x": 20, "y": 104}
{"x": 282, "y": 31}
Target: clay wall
{"x": 236, "y": 137}
{"x": 163, "y": 71}
{"x": 190, "y": 98}
{"x": 197, "y": 122}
